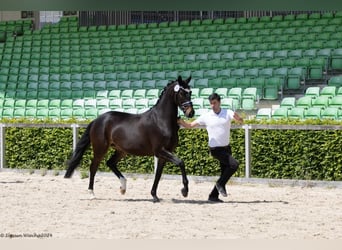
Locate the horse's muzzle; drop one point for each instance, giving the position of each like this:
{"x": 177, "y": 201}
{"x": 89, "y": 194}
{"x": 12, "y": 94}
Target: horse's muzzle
{"x": 190, "y": 112}
{"x": 187, "y": 109}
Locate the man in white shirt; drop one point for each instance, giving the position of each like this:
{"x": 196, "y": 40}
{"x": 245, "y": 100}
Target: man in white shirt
{"x": 218, "y": 122}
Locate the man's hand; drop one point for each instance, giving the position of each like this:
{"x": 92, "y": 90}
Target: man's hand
{"x": 238, "y": 118}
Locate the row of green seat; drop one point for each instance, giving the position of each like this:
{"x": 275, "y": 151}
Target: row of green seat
{"x": 174, "y": 47}
{"x": 300, "y": 113}
{"x": 242, "y": 22}
{"x": 232, "y": 37}
{"x": 12, "y": 95}
{"x": 62, "y": 114}
{"x": 204, "y": 92}
{"x": 166, "y": 63}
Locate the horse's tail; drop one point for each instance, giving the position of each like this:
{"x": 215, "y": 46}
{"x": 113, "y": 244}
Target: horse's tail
{"x": 81, "y": 147}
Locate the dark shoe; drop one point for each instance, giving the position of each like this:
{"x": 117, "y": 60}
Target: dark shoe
{"x": 214, "y": 199}
{"x": 221, "y": 190}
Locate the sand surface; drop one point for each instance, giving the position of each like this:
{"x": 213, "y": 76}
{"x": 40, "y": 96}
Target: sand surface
{"x": 50, "y": 206}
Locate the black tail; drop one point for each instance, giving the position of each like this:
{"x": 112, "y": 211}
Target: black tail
{"x": 81, "y": 147}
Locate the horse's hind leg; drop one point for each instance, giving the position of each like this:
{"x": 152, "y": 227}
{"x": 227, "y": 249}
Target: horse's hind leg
{"x": 98, "y": 156}
{"x": 112, "y": 163}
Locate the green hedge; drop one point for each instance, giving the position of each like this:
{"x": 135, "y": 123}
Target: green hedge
{"x": 295, "y": 154}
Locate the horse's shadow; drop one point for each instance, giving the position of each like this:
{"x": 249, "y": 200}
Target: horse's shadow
{"x": 11, "y": 182}
{"x": 203, "y": 202}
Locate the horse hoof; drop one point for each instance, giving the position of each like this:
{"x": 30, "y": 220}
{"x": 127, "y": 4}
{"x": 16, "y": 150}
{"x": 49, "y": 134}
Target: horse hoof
{"x": 91, "y": 195}
{"x": 184, "y": 192}
{"x": 123, "y": 182}
{"x": 155, "y": 199}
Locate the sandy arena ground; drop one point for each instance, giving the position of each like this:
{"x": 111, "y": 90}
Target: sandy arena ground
{"x": 50, "y": 206}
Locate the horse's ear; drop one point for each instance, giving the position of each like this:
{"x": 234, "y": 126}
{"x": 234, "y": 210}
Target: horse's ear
{"x": 179, "y": 79}
{"x": 188, "y": 80}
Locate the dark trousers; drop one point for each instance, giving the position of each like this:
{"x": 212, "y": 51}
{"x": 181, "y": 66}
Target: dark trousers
{"x": 228, "y": 166}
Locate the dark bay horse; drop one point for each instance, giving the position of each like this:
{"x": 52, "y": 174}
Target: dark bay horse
{"x": 153, "y": 133}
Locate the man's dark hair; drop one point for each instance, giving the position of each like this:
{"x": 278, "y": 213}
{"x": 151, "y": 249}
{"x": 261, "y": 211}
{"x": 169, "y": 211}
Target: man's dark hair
{"x": 214, "y": 96}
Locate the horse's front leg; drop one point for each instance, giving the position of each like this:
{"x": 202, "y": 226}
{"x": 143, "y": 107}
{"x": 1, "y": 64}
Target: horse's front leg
{"x": 158, "y": 173}
{"x": 164, "y": 154}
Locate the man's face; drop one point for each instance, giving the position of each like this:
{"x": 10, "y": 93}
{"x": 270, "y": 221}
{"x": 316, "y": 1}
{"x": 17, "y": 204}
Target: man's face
{"x": 215, "y": 105}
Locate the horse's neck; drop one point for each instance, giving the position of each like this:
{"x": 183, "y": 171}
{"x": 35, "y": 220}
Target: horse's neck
{"x": 167, "y": 107}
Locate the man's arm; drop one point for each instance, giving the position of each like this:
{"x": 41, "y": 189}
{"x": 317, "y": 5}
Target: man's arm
{"x": 187, "y": 124}
{"x": 237, "y": 118}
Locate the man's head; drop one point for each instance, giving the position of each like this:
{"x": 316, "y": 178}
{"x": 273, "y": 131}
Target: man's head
{"x": 215, "y": 102}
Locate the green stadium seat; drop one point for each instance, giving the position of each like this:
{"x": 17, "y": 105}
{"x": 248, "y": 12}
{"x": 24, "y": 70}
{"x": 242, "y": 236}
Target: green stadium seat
{"x": 128, "y": 103}
{"x": 329, "y": 91}
{"x": 336, "y": 58}
{"x": 172, "y": 75}
{"x": 304, "y": 102}
{"x": 205, "y": 92}
{"x": 201, "y": 83}
{"x": 152, "y": 102}
{"x": 313, "y": 113}
{"x": 335, "y": 102}
{"x": 260, "y": 63}
{"x": 215, "y": 83}
{"x": 198, "y": 74}
{"x": 264, "y": 113}
{"x": 312, "y": 92}
{"x": 295, "y": 77}
{"x": 115, "y": 103}
{"x": 226, "y": 103}
{"x": 236, "y": 95}
{"x": 335, "y": 81}
{"x": 160, "y": 84}
{"x": 152, "y": 93}
{"x": 198, "y": 103}
{"x": 327, "y": 15}
{"x": 149, "y": 84}
{"x": 243, "y": 82}
{"x": 248, "y": 104}
{"x": 101, "y": 94}
{"x": 339, "y": 91}
{"x": 158, "y": 75}
{"x": 321, "y": 102}
{"x": 288, "y": 102}
{"x": 222, "y": 92}
{"x": 54, "y": 103}
{"x": 296, "y": 113}
{"x": 266, "y": 72}
{"x": 146, "y": 76}
{"x": 139, "y": 93}
{"x": 330, "y": 113}
{"x": 229, "y": 82}
{"x": 280, "y": 113}
{"x": 141, "y": 103}
{"x": 42, "y": 113}
{"x": 250, "y": 93}
{"x": 271, "y": 88}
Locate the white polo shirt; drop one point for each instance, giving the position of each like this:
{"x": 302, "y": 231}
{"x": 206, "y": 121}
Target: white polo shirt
{"x": 218, "y": 126}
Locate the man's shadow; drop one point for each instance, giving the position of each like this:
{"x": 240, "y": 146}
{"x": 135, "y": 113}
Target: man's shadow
{"x": 201, "y": 202}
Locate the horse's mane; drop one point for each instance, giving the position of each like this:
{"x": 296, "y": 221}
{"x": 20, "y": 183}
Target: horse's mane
{"x": 162, "y": 93}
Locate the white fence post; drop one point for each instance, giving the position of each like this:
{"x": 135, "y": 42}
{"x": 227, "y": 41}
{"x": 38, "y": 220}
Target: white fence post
{"x": 2, "y": 145}
{"x": 75, "y": 128}
{"x": 247, "y": 150}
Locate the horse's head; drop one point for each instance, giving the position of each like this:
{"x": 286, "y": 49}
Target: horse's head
{"x": 183, "y": 96}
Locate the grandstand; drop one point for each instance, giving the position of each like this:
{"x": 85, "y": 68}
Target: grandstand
{"x": 256, "y": 63}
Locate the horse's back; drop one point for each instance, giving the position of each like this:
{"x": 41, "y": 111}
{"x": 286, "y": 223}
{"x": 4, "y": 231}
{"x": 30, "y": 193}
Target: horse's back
{"x": 130, "y": 133}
